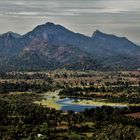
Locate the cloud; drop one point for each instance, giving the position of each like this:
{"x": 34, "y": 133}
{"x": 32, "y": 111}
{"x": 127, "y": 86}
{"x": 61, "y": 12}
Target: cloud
{"x": 63, "y": 8}
{"x": 79, "y": 15}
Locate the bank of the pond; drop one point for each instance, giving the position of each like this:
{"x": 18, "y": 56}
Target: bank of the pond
{"x": 48, "y": 103}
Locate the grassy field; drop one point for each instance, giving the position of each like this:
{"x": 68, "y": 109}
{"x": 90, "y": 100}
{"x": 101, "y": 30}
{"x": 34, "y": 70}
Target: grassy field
{"x": 49, "y": 99}
{"x": 48, "y": 103}
{"x": 99, "y": 103}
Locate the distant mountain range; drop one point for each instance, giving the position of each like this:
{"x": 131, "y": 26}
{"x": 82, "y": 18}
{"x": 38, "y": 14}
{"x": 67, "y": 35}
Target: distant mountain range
{"x": 50, "y": 46}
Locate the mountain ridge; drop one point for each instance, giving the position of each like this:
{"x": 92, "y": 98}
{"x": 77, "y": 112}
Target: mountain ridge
{"x": 51, "y": 46}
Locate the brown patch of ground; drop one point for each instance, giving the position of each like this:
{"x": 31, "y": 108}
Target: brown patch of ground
{"x": 134, "y": 115}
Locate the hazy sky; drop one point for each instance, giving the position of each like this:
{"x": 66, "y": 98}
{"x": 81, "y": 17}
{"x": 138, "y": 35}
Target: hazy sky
{"x": 120, "y": 17}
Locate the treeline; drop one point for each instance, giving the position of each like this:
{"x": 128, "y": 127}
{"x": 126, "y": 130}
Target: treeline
{"x": 22, "y": 86}
{"x": 24, "y": 75}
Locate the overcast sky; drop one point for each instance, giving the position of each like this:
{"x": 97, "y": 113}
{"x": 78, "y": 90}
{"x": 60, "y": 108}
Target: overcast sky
{"x": 120, "y": 17}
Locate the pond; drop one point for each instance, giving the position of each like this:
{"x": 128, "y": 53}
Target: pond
{"x": 77, "y": 105}
{"x": 68, "y": 104}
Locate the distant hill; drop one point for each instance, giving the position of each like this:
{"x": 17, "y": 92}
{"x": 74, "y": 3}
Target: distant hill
{"x": 51, "y": 46}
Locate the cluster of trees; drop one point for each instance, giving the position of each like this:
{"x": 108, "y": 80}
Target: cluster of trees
{"x": 24, "y": 75}
{"x": 23, "y": 86}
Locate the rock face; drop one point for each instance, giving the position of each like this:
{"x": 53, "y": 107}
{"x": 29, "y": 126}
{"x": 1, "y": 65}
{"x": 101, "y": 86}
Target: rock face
{"x": 51, "y": 46}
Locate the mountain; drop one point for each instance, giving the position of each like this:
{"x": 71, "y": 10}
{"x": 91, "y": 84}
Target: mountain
{"x": 9, "y": 44}
{"x": 51, "y": 46}
{"x": 117, "y": 51}
{"x": 113, "y": 44}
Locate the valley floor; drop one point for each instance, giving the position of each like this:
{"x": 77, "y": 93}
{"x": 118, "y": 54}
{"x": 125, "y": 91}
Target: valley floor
{"x": 90, "y": 105}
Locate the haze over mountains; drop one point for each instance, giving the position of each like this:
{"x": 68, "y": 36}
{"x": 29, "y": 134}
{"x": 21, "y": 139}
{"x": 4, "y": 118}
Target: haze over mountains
{"x": 51, "y": 46}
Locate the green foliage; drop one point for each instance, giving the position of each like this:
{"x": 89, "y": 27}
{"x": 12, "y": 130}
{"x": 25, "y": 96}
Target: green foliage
{"x": 118, "y": 132}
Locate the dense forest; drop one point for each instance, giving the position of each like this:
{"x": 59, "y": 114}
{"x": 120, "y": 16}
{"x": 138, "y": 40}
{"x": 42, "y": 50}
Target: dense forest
{"x": 21, "y": 119}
